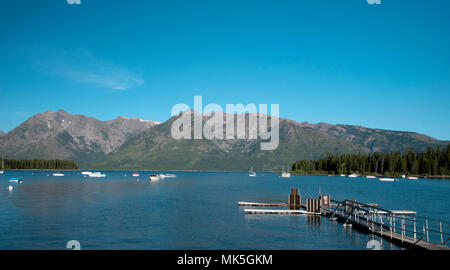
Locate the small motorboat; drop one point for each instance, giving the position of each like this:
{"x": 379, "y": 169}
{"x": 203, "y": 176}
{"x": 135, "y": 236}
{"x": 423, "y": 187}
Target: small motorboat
{"x": 169, "y": 175}
{"x": 135, "y": 174}
{"x": 387, "y": 179}
{"x": 331, "y": 175}
{"x": 343, "y": 175}
{"x": 97, "y": 175}
{"x": 353, "y": 175}
{"x": 251, "y": 172}
{"x": 413, "y": 178}
{"x": 2, "y": 172}
{"x": 86, "y": 173}
{"x": 15, "y": 180}
{"x": 154, "y": 177}
{"x": 371, "y": 177}
{"x": 161, "y": 176}
{"x": 58, "y": 174}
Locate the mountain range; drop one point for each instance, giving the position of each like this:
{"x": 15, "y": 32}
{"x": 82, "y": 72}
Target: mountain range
{"x": 133, "y": 143}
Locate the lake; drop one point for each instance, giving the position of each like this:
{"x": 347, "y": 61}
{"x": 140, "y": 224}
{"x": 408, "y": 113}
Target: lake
{"x": 195, "y": 210}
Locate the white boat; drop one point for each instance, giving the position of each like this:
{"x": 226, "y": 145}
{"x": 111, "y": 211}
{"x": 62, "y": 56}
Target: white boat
{"x": 15, "y": 180}
{"x": 343, "y": 175}
{"x": 97, "y": 175}
{"x": 3, "y": 166}
{"x": 161, "y": 176}
{"x": 403, "y": 176}
{"x": 58, "y": 174}
{"x": 285, "y": 174}
{"x": 251, "y": 173}
{"x": 86, "y": 173}
{"x": 154, "y": 177}
{"x": 413, "y": 178}
{"x": 169, "y": 175}
{"x": 135, "y": 174}
{"x": 387, "y": 179}
{"x": 353, "y": 175}
{"x": 371, "y": 177}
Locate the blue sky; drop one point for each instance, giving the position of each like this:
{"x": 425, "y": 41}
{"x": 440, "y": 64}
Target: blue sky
{"x": 381, "y": 66}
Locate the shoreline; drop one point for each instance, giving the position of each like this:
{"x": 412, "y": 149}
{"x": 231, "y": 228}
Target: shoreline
{"x": 223, "y": 171}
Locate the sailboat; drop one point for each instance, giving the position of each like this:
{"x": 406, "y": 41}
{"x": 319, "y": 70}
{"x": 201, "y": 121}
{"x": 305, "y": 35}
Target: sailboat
{"x": 285, "y": 174}
{"x": 251, "y": 173}
{"x": 3, "y": 166}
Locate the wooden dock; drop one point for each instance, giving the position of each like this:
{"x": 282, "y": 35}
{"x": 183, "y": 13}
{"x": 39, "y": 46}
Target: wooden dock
{"x": 279, "y": 211}
{"x": 388, "y": 231}
{"x": 263, "y": 204}
{"x": 403, "y": 227}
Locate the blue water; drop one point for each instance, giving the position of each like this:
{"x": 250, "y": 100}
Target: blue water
{"x": 195, "y": 210}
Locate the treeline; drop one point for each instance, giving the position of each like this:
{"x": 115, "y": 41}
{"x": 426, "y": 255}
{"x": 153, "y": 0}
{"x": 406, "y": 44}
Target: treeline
{"x": 39, "y": 164}
{"x": 432, "y": 162}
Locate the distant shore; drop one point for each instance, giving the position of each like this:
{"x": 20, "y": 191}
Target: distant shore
{"x": 378, "y": 175}
{"x": 217, "y": 171}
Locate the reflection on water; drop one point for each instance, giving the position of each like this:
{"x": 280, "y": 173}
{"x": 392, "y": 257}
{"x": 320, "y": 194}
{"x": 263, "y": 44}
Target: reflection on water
{"x": 191, "y": 211}
{"x": 314, "y": 221}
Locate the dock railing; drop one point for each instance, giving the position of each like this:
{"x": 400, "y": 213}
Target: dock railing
{"x": 387, "y": 222}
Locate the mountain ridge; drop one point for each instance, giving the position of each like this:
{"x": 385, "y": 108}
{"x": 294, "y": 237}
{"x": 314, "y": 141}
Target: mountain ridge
{"x": 134, "y": 143}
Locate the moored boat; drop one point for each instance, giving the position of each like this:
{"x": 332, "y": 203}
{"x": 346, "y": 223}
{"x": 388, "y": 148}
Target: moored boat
{"x": 97, "y": 175}
{"x": 2, "y": 170}
{"x": 413, "y": 178}
{"x": 169, "y": 175}
{"x": 353, "y": 175}
{"x": 154, "y": 177}
{"x": 371, "y": 177}
{"x": 387, "y": 179}
{"x": 251, "y": 173}
{"x": 285, "y": 174}
{"x": 58, "y": 174}
{"x": 135, "y": 174}
{"x": 15, "y": 180}
{"x": 86, "y": 173}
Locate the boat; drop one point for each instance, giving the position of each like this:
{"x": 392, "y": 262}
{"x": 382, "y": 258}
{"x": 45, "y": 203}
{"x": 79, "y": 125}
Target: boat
{"x": 251, "y": 173}
{"x": 371, "y": 177}
{"x": 2, "y": 171}
{"x": 135, "y": 174}
{"x": 15, "y": 180}
{"x": 413, "y": 178}
{"x": 285, "y": 174}
{"x": 161, "y": 176}
{"x": 331, "y": 175}
{"x": 97, "y": 175}
{"x": 353, "y": 175}
{"x": 169, "y": 175}
{"x": 86, "y": 173}
{"x": 387, "y": 179}
{"x": 154, "y": 177}
{"x": 343, "y": 175}
{"x": 58, "y": 174}
{"x": 403, "y": 176}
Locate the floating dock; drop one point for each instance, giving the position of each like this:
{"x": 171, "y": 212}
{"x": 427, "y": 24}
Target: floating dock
{"x": 279, "y": 211}
{"x": 403, "y": 227}
{"x": 393, "y": 225}
{"x": 263, "y": 204}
